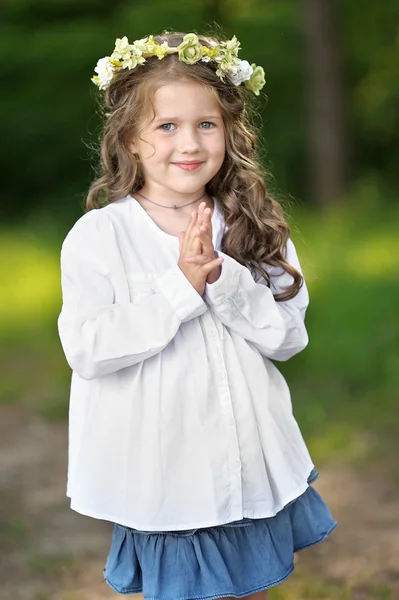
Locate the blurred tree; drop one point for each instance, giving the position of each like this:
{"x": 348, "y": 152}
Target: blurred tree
{"x": 326, "y": 132}
{"x": 213, "y": 11}
{"x": 48, "y": 50}
{"x": 370, "y": 33}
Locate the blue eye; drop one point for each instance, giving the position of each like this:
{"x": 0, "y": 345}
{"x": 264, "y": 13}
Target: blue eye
{"x": 168, "y": 126}
{"x": 165, "y": 125}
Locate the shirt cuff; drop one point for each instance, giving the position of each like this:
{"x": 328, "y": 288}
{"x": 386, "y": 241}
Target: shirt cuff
{"x": 181, "y": 295}
{"x": 227, "y": 284}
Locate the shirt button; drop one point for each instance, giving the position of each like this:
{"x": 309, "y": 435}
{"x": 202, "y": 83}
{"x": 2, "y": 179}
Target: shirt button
{"x": 236, "y": 464}
{"x": 212, "y": 332}
{"x": 222, "y": 375}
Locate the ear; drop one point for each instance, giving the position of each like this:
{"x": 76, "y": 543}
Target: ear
{"x": 132, "y": 143}
{"x": 133, "y": 150}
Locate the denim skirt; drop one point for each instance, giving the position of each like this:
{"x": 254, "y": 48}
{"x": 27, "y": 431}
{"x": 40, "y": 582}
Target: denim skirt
{"x": 235, "y": 559}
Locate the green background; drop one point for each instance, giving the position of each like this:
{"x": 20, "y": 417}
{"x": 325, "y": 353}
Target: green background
{"x": 344, "y": 385}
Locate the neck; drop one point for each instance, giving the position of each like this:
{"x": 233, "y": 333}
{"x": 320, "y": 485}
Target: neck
{"x": 158, "y": 202}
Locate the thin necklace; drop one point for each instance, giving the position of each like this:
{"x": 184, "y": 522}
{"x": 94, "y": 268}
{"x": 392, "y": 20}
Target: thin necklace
{"x": 174, "y": 206}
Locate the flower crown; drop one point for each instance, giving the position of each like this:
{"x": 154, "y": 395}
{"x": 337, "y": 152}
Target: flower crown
{"x": 190, "y": 51}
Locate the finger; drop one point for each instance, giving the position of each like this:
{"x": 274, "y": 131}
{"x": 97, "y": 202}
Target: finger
{"x": 207, "y": 244}
{"x": 207, "y": 221}
{"x": 201, "y": 209}
{"x": 201, "y": 215}
{"x": 203, "y": 220}
{"x": 187, "y": 240}
{"x": 199, "y": 259}
{"x": 194, "y": 245}
{"x": 197, "y": 244}
{"x": 206, "y": 216}
{"x": 208, "y": 267}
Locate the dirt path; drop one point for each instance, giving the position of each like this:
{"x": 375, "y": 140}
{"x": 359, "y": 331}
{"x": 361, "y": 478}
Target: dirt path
{"x": 48, "y": 552}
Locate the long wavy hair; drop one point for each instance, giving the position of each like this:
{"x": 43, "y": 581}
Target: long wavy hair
{"x": 257, "y": 230}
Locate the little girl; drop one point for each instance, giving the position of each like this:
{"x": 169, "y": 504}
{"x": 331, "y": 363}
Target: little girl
{"x": 180, "y": 284}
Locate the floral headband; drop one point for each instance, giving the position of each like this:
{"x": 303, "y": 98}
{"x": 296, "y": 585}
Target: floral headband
{"x": 190, "y": 51}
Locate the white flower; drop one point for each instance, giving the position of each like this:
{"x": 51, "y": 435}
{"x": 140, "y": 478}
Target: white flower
{"x": 132, "y": 61}
{"x": 105, "y": 71}
{"x": 190, "y": 51}
{"x": 122, "y": 48}
{"x": 232, "y": 46}
{"x": 241, "y": 72}
{"x": 141, "y": 45}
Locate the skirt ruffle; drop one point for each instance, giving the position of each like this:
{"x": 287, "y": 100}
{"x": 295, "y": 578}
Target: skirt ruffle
{"x": 235, "y": 559}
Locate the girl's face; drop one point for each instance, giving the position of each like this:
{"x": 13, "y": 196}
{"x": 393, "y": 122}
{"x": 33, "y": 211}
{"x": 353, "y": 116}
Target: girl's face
{"x": 187, "y": 128}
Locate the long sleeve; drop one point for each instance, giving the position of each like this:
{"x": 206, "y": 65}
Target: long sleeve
{"x": 246, "y": 306}
{"x": 99, "y": 336}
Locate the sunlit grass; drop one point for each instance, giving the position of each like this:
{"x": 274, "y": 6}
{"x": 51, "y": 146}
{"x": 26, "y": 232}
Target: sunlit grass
{"x": 356, "y": 239}
{"x": 29, "y": 280}
{"x": 376, "y": 257}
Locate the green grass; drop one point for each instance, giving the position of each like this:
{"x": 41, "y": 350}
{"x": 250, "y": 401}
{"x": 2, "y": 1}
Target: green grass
{"x": 344, "y": 384}
{"x": 52, "y": 566}
{"x": 29, "y": 277}
{"x": 14, "y": 532}
{"x": 303, "y": 585}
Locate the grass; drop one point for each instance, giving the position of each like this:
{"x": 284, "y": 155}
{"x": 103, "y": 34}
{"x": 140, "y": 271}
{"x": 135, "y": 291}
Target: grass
{"x": 303, "y": 585}
{"x": 52, "y": 566}
{"x": 344, "y": 385}
{"x": 29, "y": 276}
{"x": 14, "y": 532}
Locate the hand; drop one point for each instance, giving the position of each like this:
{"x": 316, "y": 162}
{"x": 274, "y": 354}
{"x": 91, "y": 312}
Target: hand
{"x": 204, "y": 234}
{"x": 190, "y": 244}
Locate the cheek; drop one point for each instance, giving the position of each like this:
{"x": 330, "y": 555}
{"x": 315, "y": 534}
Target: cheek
{"x": 219, "y": 147}
{"x": 157, "y": 151}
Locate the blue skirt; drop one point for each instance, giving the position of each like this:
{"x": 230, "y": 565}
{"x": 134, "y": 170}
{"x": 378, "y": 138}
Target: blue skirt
{"x": 235, "y": 559}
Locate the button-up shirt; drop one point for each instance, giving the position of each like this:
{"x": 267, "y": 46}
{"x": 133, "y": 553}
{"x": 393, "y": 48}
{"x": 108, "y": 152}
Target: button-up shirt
{"x": 178, "y": 417}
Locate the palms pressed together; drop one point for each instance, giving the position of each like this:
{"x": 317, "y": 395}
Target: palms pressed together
{"x": 203, "y": 250}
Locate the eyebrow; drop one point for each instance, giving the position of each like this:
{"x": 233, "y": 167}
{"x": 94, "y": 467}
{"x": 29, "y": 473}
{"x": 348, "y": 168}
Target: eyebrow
{"x": 171, "y": 119}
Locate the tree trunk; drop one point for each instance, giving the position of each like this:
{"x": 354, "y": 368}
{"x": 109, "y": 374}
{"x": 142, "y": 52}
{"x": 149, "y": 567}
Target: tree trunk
{"x": 327, "y": 140}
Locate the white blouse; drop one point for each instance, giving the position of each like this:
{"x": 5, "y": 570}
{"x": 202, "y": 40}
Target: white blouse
{"x": 178, "y": 417}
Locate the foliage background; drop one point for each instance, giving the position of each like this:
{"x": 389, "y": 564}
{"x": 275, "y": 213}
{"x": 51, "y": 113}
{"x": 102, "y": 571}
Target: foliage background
{"x": 344, "y": 385}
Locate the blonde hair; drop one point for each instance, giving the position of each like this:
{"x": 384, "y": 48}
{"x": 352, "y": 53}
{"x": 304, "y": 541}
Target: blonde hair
{"x": 257, "y": 229}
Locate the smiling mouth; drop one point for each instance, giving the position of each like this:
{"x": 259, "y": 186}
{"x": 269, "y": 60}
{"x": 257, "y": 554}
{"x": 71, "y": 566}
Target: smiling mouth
{"x": 188, "y": 166}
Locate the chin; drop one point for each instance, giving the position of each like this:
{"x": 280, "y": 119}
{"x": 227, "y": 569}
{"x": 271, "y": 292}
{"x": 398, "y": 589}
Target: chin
{"x": 188, "y": 189}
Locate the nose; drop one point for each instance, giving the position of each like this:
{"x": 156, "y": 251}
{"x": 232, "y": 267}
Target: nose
{"x": 188, "y": 140}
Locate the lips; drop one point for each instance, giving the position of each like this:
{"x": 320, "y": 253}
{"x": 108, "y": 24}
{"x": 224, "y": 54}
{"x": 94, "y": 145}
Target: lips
{"x": 188, "y": 165}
